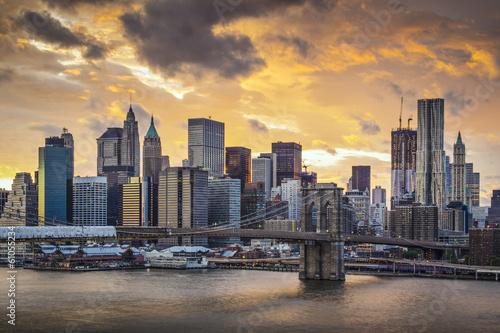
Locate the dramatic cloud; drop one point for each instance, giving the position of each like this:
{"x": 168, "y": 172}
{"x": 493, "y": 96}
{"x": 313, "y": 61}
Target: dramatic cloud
{"x": 302, "y": 46}
{"x": 257, "y": 126}
{"x": 48, "y": 29}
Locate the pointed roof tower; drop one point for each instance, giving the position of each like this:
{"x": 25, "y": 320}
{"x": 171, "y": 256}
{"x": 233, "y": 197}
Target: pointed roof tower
{"x": 130, "y": 114}
{"x": 152, "y": 130}
{"x": 459, "y": 139}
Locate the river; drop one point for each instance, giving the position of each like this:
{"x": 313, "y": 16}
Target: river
{"x": 157, "y": 300}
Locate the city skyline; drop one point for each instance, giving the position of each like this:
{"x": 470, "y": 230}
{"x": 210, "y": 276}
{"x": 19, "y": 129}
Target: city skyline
{"x": 339, "y": 103}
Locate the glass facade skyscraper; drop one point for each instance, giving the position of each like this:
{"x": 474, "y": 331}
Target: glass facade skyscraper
{"x": 361, "y": 178}
{"x": 138, "y": 202}
{"x": 288, "y": 159}
{"x": 55, "y": 182}
{"x": 206, "y": 145}
{"x": 224, "y": 207}
{"x": 403, "y": 165}
{"x": 90, "y": 201}
{"x": 262, "y": 172}
{"x": 238, "y": 164}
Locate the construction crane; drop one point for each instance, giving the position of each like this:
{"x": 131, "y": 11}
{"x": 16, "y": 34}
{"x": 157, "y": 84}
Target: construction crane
{"x": 409, "y": 120}
{"x": 304, "y": 165}
{"x": 401, "y": 115}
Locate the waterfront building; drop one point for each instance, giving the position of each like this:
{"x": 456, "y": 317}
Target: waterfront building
{"x": 484, "y": 243}
{"x": 238, "y": 164}
{"x": 183, "y": 202}
{"x": 416, "y": 222}
{"x": 206, "y": 145}
{"x": 288, "y": 160}
{"x": 130, "y": 147}
{"x": 493, "y": 219}
{"x": 90, "y": 197}
{"x": 138, "y": 200}
{"x": 224, "y": 208}
{"x": 291, "y": 192}
{"x": 152, "y": 160}
{"x": 431, "y": 173}
{"x": 55, "y": 181}
{"x": 262, "y": 173}
{"x": 21, "y": 206}
{"x": 253, "y": 206}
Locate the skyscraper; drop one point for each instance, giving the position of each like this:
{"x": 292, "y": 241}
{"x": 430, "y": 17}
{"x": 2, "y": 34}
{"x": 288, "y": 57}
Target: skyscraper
{"x": 262, "y": 172}
{"x": 403, "y": 164}
{"x": 473, "y": 183}
{"x": 55, "y": 181}
{"x": 290, "y": 192}
{"x": 183, "y": 202}
{"x": 431, "y": 173}
{"x": 361, "y": 178}
{"x": 458, "y": 182}
{"x": 152, "y": 160}
{"x": 90, "y": 201}
{"x": 206, "y": 145}
{"x": 493, "y": 219}
{"x": 288, "y": 160}
{"x": 253, "y": 206}
{"x": 274, "y": 164}
{"x": 21, "y": 208}
{"x": 138, "y": 200}
{"x": 379, "y": 195}
{"x": 130, "y": 143}
{"x": 238, "y": 164}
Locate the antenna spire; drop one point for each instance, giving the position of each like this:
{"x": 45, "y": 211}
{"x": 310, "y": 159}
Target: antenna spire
{"x": 130, "y": 94}
{"x": 401, "y": 114}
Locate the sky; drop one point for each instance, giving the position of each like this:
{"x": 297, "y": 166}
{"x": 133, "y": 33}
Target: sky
{"x": 328, "y": 74}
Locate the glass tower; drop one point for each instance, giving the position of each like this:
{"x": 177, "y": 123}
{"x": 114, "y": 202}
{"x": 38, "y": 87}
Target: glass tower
{"x": 206, "y": 145}
{"x": 238, "y": 164}
{"x": 288, "y": 159}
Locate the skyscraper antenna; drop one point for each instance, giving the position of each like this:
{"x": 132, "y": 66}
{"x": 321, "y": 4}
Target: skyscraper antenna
{"x": 130, "y": 92}
{"x": 401, "y": 114}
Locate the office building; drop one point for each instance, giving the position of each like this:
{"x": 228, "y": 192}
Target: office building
{"x": 274, "y": 165}
{"x": 55, "y": 182}
{"x": 21, "y": 207}
{"x": 403, "y": 164}
{"x": 281, "y": 224}
{"x": 349, "y": 225}
{"x": 484, "y": 243}
{"x": 473, "y": 184}
{"x": 152, "y": 160}
{"x": 4, "y": 195}
{"x": 361, "y": 178}
{"x": 456, "y": 218}
{"x": 377, "y": 218}
{"x": 224, "y": 208}
{"x": 416, "y": 222}
{"x": 431, "y": 173}
{"x": 379, "y": 195}
{"x": 290, "y": 192}
{"x": 90, "y": 197}
{"x": 238, "y": 164}
{"x": 138, "y": 202}
{"x": 493, "y": 219}
{"x": 288, "y": 160}
{"x": 458, "y": 180}
{"x": 361, "y": 203}
{"x": 253, "y": 206}
{"x": 206, "y": 145}
{"x": 130, "y": 147}
{"x": 183, "y": 202}
{"x": 448, "y": 173}
{"x": 262, "y": 173}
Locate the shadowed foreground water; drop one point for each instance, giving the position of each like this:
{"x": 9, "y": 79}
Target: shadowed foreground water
{"x": 246, "y": 301}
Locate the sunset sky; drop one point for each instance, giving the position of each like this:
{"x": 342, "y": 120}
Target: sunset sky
{"x": 327, "y": 74}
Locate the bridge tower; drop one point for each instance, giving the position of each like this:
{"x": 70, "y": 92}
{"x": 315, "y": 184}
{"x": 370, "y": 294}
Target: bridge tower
{"x": 322, "y": 213}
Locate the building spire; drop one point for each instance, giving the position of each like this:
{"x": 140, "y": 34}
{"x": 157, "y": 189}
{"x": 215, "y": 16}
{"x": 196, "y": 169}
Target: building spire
{"x": 152, "y": 130}
{"x": 459, "y": 139}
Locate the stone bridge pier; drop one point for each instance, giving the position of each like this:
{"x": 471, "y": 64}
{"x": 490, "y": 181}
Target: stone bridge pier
{"x": 322, "y": 213}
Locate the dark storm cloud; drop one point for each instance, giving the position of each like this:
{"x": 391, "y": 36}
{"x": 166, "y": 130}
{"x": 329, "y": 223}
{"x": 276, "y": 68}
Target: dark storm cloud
{"x": 50, "y": 30}
{"x": 6, "y": 75}
{"x": 177, "y": 35}
{"x": 301, "y": 46}
{"x": 72, "y": 4}
{"x": 257, "y": 126}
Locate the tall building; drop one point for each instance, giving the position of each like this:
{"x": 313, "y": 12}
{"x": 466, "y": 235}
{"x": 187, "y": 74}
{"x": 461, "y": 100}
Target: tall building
{"x": 377, "y": 217}
{"x": 253, "y": 206}
{"x": 403, "y": 164}
{"x": 224, "y": 207}
{"x": 431, "y": 173}
{"x": 416, "y": 222}
{"x": 152, "y": 160}
{"x": 131, "y": 154}
{"x": 4, "y": 195}
{"x": 361, "y": 178}
{"x": 206, "y": 145}
{"x": 90, "y": 197}
{"x": 21, "y": 208}
{"x": 379, "y": 195}
{"x": 55, "y": 182}
{"x": 238, "y": 164}
{"x": 493, "y": 219}
{"x": 484, "y": 243}
{"x": 288, "y": 160}
{"x": 290, "y": 192}
{"x": 361, "y": 202}
{"x": 138, "y": 200}
{"x": 458, "y": 181}
{"x": 274, "y": 165}
{"x": 349, "y": 225}
{"x": 448, "y": 173}
{"x": 473, "y": 184}
{"x": 262, "y": 172}
{"x": 183, "y": 202}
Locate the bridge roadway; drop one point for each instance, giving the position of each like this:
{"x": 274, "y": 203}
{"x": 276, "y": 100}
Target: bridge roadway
{"x": 163, "y": 232}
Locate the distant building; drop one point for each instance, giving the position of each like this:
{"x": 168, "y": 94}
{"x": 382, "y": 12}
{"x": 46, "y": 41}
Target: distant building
{"x": 224, "y": 208}
{"x": 493, "y": 219}
{"x": 473, "y": 180}
{"x": 361, "y": 203}
{"x": 21, "y": 207}
{"x": 274, "y": 165}
{"x": 458, "y": 180}
{"x": 416, "y": 222}
{"x": 152, "y": 160}
{"x": 290, "y": 192}
{"x": 206, "y": 145}
{"x": 130, "y": 147}
{"x": 349, "y": 221}
{"x": 403, "y": 164}
{"x": 183, "y": 202}
{"x": 262, "y": 173}
{"x": 138, "y": 200}
{"x": 238, "y": 164}
{"x": 456, "y": 218}
{"x": 361, "y": 178}
{"x": 281, "y": 224}
{"x": 379, "y": 195}
{"x": 309, "y": 179}
{"x": 288, "y": 159}
{"x": 484, "y": 243}
{"x": 90, "y": 201}
{"x": 55, "y": 181}
{"x": 377, "y": 217}
{"x": 431, "y": 173}
{"x": 253, "y": 206}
